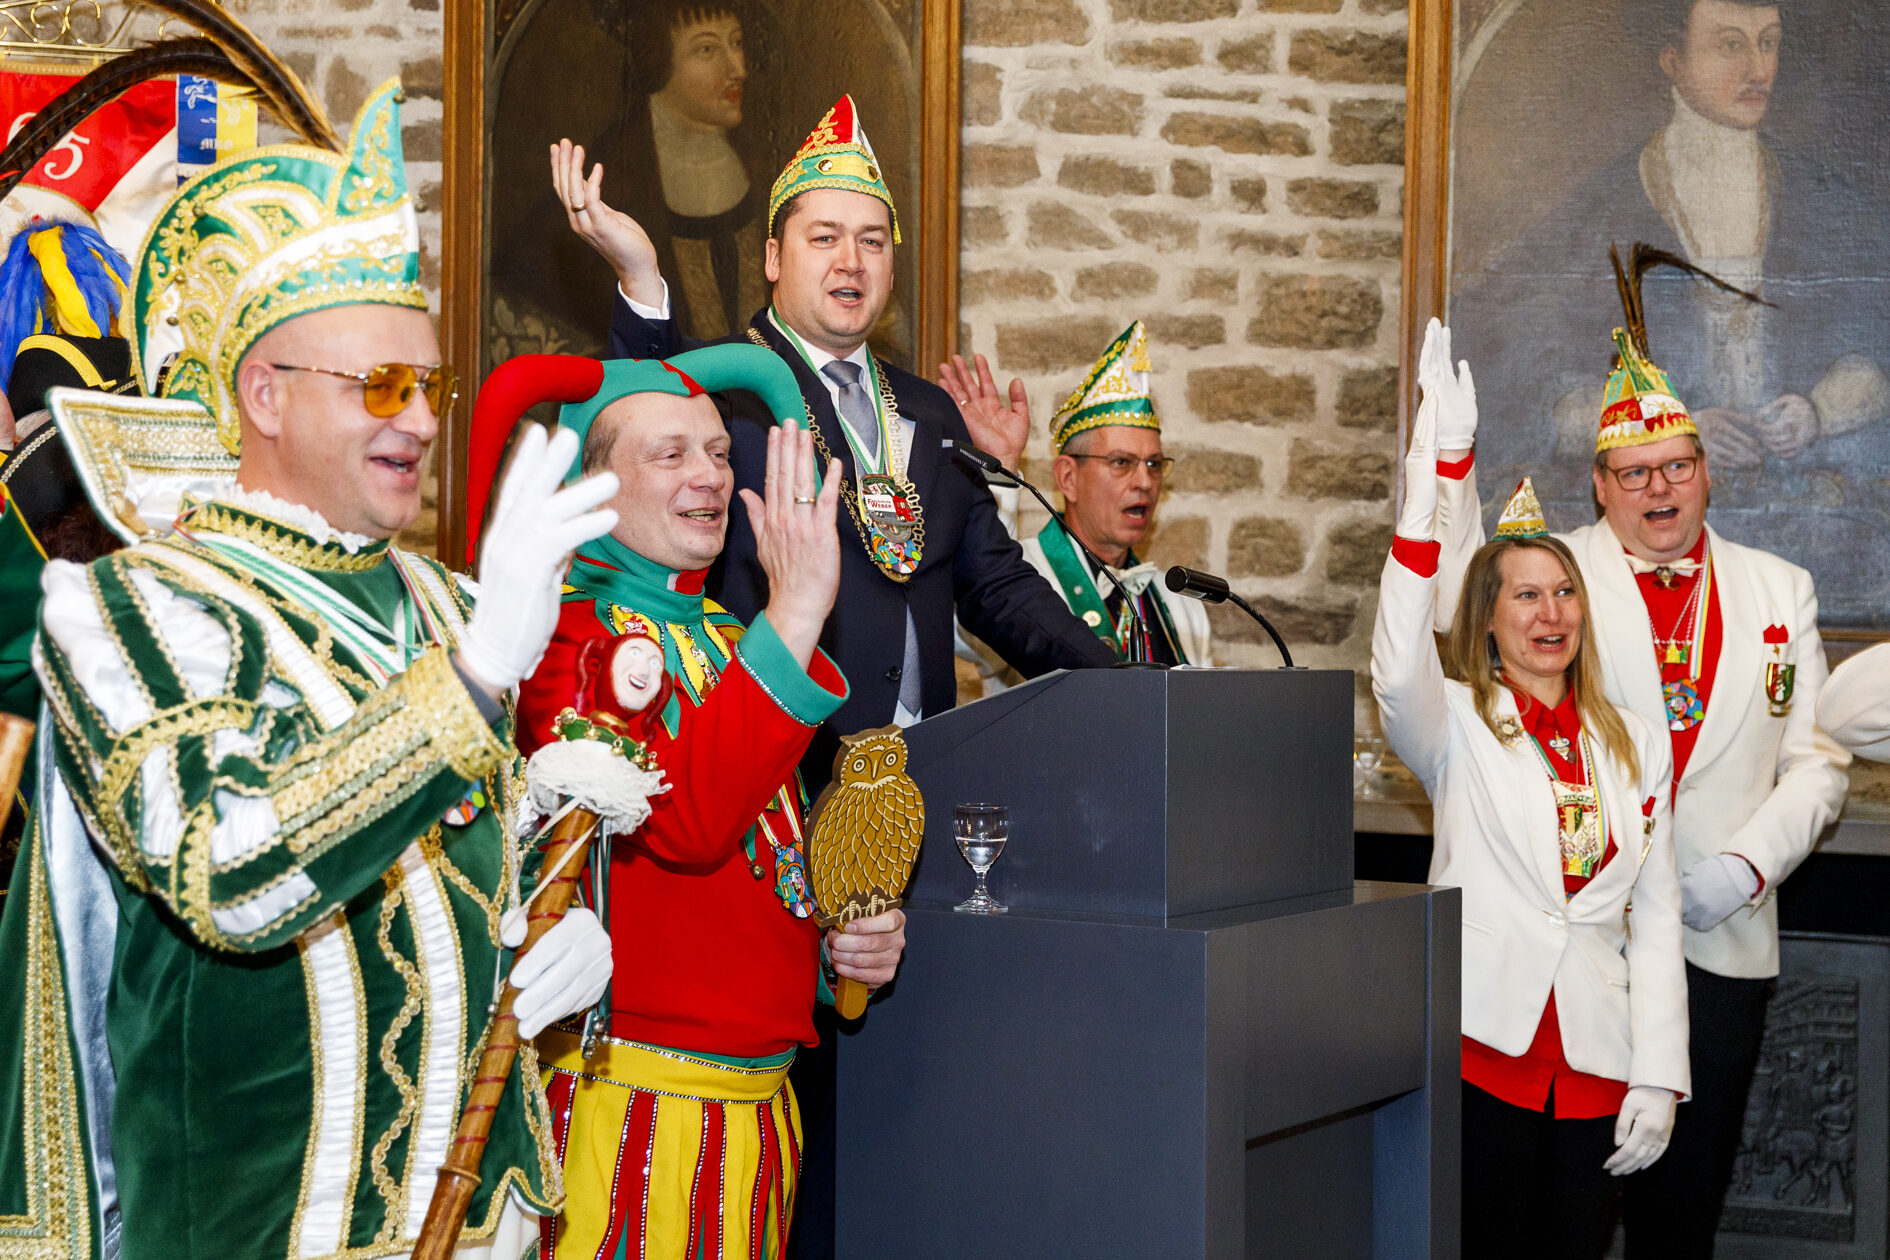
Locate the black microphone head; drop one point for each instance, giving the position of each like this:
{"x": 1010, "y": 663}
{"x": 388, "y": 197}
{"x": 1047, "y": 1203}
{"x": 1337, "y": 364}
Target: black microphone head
{"x": 973, "y": 455}
{"x": 1203, "y": 586}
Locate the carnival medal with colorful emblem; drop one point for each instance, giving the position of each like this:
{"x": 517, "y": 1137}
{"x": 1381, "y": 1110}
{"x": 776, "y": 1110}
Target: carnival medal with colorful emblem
{"x": 1779, "y": 674}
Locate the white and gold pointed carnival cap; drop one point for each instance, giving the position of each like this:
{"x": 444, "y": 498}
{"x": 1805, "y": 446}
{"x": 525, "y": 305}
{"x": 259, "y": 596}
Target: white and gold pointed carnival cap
{"x": 1114, "y": 392}
{"x": 1522, "y": 515}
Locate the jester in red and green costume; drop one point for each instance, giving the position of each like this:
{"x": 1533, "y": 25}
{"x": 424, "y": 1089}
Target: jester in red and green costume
{"x": 678, "y": 1131}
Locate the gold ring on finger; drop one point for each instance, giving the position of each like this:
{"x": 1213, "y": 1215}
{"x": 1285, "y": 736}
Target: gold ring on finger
{"x": 804, "y": 498}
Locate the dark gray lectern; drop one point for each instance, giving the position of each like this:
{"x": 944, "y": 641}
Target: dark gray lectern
{"x": 1193, "y": 1035}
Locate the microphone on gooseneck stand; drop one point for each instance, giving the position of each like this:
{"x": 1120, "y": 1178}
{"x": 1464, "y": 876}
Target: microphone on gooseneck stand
{"x": 985, "y": 461}
{"x": 1210, "y": 589}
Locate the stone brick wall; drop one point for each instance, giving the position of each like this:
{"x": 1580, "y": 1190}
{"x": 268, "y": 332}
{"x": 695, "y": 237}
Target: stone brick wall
{"x": 1229, "y": 171}
{"x": 343, "y": 49}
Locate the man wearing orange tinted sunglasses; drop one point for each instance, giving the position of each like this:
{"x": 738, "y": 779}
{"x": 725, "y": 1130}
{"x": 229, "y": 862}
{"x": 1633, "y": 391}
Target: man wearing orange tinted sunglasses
{"x": 322, "y": 714}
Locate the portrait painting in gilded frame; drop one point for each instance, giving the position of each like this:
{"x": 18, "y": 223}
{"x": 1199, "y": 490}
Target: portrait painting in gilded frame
{"x": 1752, "y": 139}
{"x": 693, "y": 107}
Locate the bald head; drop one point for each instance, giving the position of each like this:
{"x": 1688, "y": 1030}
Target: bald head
{"x": 309, "y": 438}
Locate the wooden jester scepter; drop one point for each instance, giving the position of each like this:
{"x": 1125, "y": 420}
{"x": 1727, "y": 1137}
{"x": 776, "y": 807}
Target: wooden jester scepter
{"x": 595, "y": 778}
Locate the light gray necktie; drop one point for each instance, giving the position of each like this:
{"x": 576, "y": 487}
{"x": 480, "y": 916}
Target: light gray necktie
{"x": 855, "y": 407}
{"x": 857, "y": 410}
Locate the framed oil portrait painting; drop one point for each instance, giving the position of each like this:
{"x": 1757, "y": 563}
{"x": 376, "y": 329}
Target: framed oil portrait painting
{"x": 1753, "y": 140}
{"x": 692, "y": 107}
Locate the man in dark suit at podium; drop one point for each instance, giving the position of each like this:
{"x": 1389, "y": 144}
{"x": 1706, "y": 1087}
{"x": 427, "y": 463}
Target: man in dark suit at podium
{"x": 929, "y": 538}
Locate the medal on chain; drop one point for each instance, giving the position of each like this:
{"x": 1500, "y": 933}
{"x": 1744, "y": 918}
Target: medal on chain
{"x": 885, "y": 508}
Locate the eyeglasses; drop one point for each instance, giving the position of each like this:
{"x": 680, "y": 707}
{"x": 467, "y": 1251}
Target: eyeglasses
{"x": 389, "y": 387}
{"x": 1675, "y": 472}
{"x": 1122, "y": 465}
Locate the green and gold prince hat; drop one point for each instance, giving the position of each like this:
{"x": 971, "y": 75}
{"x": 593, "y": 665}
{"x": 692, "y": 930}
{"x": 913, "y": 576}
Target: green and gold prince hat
{"x": 1114, "y": 392}
{"x": 835, "y": 155}
{"x": 263, "y": 237}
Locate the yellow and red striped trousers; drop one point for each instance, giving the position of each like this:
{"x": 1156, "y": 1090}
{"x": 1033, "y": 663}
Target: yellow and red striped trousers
{"x": 669, "y": 1155}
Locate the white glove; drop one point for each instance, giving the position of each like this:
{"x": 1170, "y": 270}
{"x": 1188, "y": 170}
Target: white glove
{"x": 1642, "y": 1130}
{"x": 1456, "y": 394}
{"x": 1417, "y": 519}
{"x": 535, "y": 528}
{"x": 1713, "y": 888}
{"x": 563, "y": 974}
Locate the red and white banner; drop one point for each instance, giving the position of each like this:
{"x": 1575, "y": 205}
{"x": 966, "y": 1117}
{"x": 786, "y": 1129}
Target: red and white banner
{"x": 117, "y": 168}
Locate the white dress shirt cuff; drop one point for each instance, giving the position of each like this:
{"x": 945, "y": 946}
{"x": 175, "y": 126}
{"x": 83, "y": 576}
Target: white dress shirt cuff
{"x": 648, "y": 312}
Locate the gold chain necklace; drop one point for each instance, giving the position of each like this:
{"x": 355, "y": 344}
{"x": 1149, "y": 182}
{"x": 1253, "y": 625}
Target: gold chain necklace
{"x": 846, "y": 488}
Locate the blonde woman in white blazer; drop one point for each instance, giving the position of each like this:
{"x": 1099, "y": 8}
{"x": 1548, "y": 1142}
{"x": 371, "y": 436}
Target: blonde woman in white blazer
{"x": 1756, "y": 781}
{"x": 1575, "y": 1026}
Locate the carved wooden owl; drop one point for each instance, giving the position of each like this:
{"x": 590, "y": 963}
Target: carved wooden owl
{"x": 866, "y": 829}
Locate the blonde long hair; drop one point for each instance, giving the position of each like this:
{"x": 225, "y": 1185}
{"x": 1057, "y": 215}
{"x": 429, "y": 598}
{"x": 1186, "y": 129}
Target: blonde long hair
{"x": 1470, "y": 651}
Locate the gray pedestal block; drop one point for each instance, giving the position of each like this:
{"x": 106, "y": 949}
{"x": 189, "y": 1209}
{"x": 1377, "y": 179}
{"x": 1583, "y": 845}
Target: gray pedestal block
{"x": 1278, "y": 1082}
{"x": 1193, "y": 1035}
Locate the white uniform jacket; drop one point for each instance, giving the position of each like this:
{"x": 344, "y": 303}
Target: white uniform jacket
{"x": 1758, "y": 785}
{"x": 1855, "y": 707}
{"x": 1620, "y": 994}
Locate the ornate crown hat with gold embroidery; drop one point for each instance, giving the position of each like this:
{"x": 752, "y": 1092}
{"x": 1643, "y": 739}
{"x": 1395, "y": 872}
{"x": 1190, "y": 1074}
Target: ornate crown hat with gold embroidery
{"x": 1640, "y": 404}
{"x": 266, "y": 236}
{"x": 1522, "y": 515}
{"x": 1114, "y": 392}
{"x": 835, "y": 155}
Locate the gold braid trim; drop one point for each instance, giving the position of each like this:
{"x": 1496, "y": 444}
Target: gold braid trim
{"x": 124, "y": 760}
{"x": 57, "y": 1222}
{"x": 460, "y": 734}
{"x": 285, "y": 543}
{"x": 426, "y": 710}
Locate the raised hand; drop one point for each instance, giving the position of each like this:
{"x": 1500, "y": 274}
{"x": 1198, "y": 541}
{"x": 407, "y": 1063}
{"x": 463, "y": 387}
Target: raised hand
{"x": 1456, "y": 392}
{"x": 1000, "y": 428}
{"x": 1417, "y": 520}
{"x": 797, "y": 539}
{"x": 612, "y": 233}
{"x": 535, "y": 528}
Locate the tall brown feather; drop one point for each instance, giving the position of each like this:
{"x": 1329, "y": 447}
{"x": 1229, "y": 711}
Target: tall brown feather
{"x": 287, "y": 97}
{"x": 114, "y": 78}
{"x": 1643, "y": 258}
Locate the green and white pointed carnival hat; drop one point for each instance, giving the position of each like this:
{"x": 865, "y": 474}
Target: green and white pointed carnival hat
{"x": 248, "y": 244}
{"x": 263, "y": 237}
{"x": 1114, "y": 392}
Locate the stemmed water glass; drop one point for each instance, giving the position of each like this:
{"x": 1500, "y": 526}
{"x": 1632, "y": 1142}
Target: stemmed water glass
{"x": 981, "y": 831}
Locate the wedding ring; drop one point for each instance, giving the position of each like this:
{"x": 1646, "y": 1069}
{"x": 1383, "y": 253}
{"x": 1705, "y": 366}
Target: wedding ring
{"x": 804, "y": 498}
{"x": 963, "y": 401}
{"x": 577, "y": 207}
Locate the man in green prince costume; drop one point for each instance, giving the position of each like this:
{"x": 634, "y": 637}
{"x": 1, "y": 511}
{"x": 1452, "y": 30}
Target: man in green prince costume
{"x": 259, "y": 920}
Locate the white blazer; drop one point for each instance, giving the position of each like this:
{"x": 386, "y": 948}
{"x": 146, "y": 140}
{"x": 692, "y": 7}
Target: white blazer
{"x": 1855, "y": 707}
{"x": 1620, "y": 991}
{"x": 1758, "y": 785}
